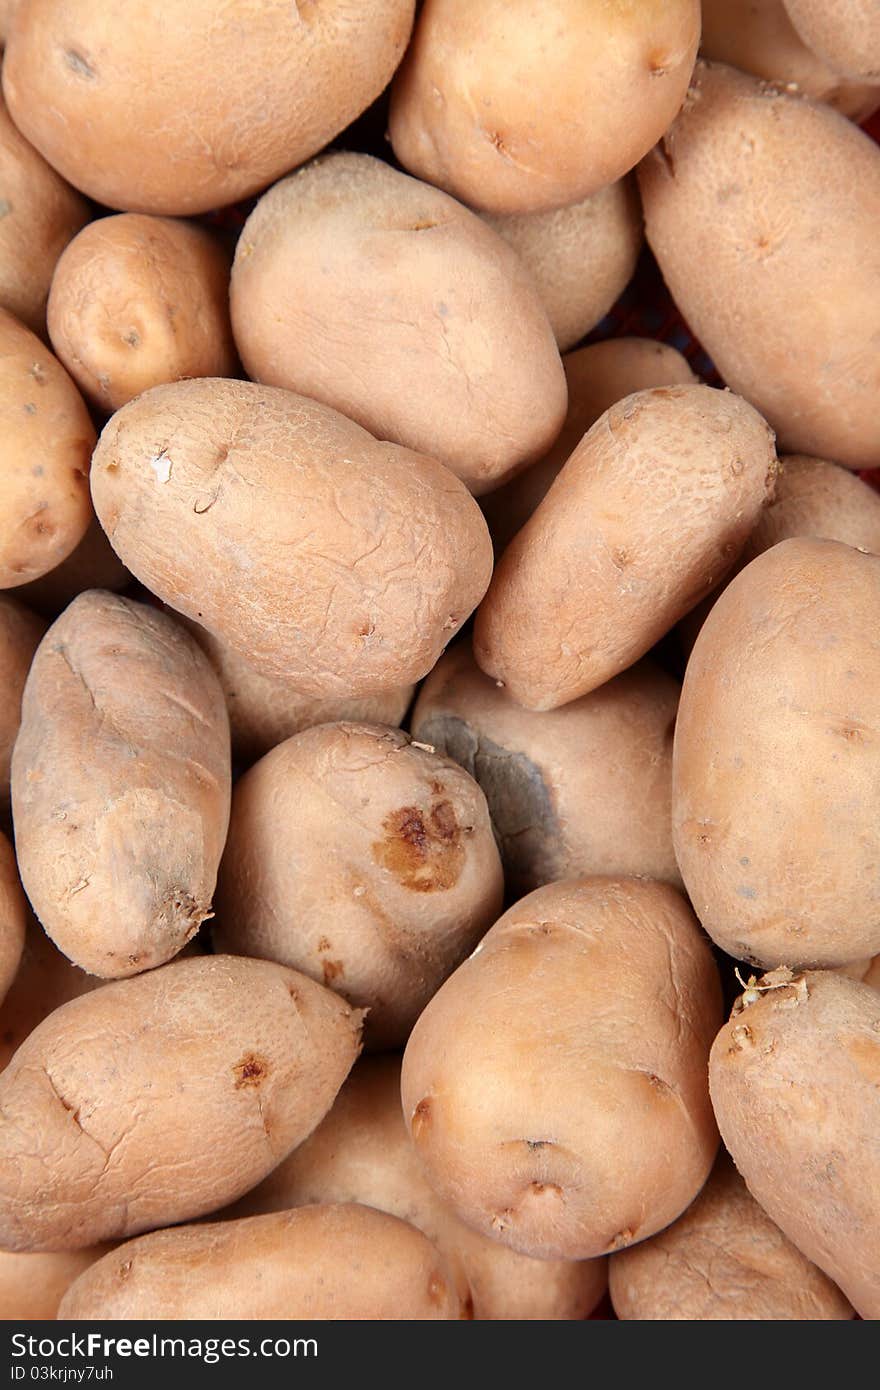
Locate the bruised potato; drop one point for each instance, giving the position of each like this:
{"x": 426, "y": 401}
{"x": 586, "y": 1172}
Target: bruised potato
{"x": 20, "y": 633}
{"x": 335, "y": 562}
{"x": 845, "y": 33}
{"x": 33, "y": 1285}
{"x": 13, "y": 914}
{"x": 577, "y": 1033}
{"x": 93, "y": 564}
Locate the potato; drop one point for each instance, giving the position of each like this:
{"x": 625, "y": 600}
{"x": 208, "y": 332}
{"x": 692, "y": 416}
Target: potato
{"x": 92, "y": 565}
{"x": 121, "y": 785}
{"x": 342, "y": 1262}
{"x": 845, "y": 33}
{"x": 794, "y": 1077}
{"x": 158, "y": 1099}
{"x": 47, "y": 443}
{"x": 363, "y": 860}
{"x": 137, "y": 301}
{"x": 648, "y": 513}
{"x": 32, "y": 1286}
{"x": 581, "y": 790}
{"x": 381, "y": 296}
{"x": 580, "y": 257}
{"x": 361, "y": 1152}
{"x": 555, "y": 1086}
{"x": 752, "y": 197}
{"x": 516, "y": 108}
{"x": 338, "y": 563}
{"x": 20, "y": 633}
{"x": 776, "y": 766}
{"x": 724, "y": 1260}
{"x": 45, "y": 980}
{"x": 13, "y": 912}
{"x": 204, "y": 109}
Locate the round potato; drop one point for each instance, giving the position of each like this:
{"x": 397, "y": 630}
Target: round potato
{"x": 751, "y": 196}
{"x": 155, "y": 1100}
{"x": 206, "y": 108}
{"x": 776, "y": 764}
{"x": 585, "y": 789}
{"x": 92, "y": 565}
{"x": 365, "y": 861}
{"x": 577, "y": 1033}
{"x": 383, "y": 297}
{"x": 793, "y": 1077}
{"x": 845, "y": 33}
{"x": 20, "y": 634}
{"x": 47, "y": 443}
{"x": 137, "y": 301}
{"x": 45, "y": 980}
{"x": 650, "y": 510}
{"x": 515, "y": 107}
{"x": 121, "y": 785}
{"x": 33, "y": 1285}
{"x": 13, "y": 914}
{"x": 338, "y": 563}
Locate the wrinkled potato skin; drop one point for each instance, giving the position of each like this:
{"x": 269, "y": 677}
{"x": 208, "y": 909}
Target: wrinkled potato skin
{"x": 338, "y": 563}
{"x": 13, "y": 914}
{"x": 47, "y": 443}
{"x": 518, "y": 107}
{"x": 752, "y": 195}
{"x": 32, "y": 1286}
{"x": 776, "y": 768}
{"x": 137, "y": 301}
{"x": 650, "y": 510}
{"x": 121, "y": 785}
{"x": 578, "y": 1032}
{"x": 92, "y": 565}
{"x": 364, "y": 861}
{"x": 342, "y": 1262}
{"x": 794, "y": 1085}
{"x": 20, "y": 634}
{"x": 206, "y": 108}
{"x": 384, "y": 298}
{"x": 724, "y": 1260}
{"x": 240, "y": 1059}
{"x": 585, "y": 789}
{"x": 846, "y": 33}
{"x": 361, "y": 1152}
{"x": 45, "y": 980}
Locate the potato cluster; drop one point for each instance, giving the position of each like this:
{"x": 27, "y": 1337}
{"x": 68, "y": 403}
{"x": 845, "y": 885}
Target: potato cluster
{"x": 439, "y": 731}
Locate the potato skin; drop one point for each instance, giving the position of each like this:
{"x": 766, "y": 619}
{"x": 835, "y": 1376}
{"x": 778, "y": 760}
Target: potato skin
{"x": 723, "y": 1260}
{"x": 20, "y": 634}
{"x": 338, "y": 563}
{"x": 33, "y": 1285}
{"x": 515, "y": 107}
{"x": 93, "y": 564}
{"x": 381, "y": 296}
{"x": 752, "y": 195}
{"x": 137, "y": 301}
{"x": 364, "y": 861}
{"x": 121, "y": 785}
{"x": 210, "y": 1069}
{"x": 13, "y": 913}
{"x": 650, "y": 510}
{"x": 776, "y": 766}
{"x": 45, "y": 980}
{"x": 580, "y": 1027}
{"x": 845, "y": 33}
{"x": 793, "y": 1077}
{"x": 236, "y": 96}
{"x": 586, "y": 789}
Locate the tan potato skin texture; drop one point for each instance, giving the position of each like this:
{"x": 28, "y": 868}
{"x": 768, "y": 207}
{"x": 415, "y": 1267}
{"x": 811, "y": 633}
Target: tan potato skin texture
{"x": 586, "y": 789}
{"x": 752, "y": 196}
{"x": 776, "y": 762}
{"x": 846, "y": 33}
{"x": 338, "y": 563}
{"x": 650, "y": 510}
{"x": 794, "y": 1082}
{"x": 45, "y": 980}
{"x": 381, "y": 296}
{"x": 20, "y": 634}
{"x": 364, "y": 861}
{"x": 121, "y": 785}
{"x": 33, "y": 1285}
{"x": 137, "y": 301}
{"x": 13, "y": 914}
{"x": 158, "y": 1099}
{"x": 361, "y": 1152}
{"x": 577, "y": 1033}
{"x": 723, "y": 1261}
{"x": 516, "y": 106}
{"x": 92, "y": 565}
{"x": 47, "y": 443}
{"x": 206, "y": 108}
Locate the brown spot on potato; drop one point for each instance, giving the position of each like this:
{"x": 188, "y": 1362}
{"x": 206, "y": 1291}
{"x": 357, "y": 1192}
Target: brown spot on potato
{"x": 132, "y": 337}
{"x": 78, "y": 64}
{"x": 467, "y": 1307}
{"x": 421, "y": 1117}
{"x": 323, "y": 944}
{"x": 252, "y": 1070}
{"x": 332, "y": 969}
{"x": 422, "y": 849}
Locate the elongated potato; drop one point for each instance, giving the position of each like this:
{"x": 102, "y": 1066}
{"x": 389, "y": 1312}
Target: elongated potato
{"x": 92, "y": 565}
{"x": 20, "y": 633}
{"x": 845, "y": 33}
{"x": 585, "y": 789}
{"x": 121, "y": 785}
{"x": 794, "y": 1079}
{"x": 388, "y": 300}
{"x": 338, "y": 563}
{"x": 365, "y": 861}
{"x": 13, "y": 913}
{"x": 776, "y": 764}
{"x": 650, "y": 510}
{"x": 724, "y": 1260}
{"x": 33, "y": 1285}
{"x": 577, "y": 1033}
{"x": 158, "y": 1099}
{"x": 751, "y": 195}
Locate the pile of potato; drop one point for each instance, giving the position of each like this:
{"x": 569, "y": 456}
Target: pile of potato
{"x": 265, "y": 505}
